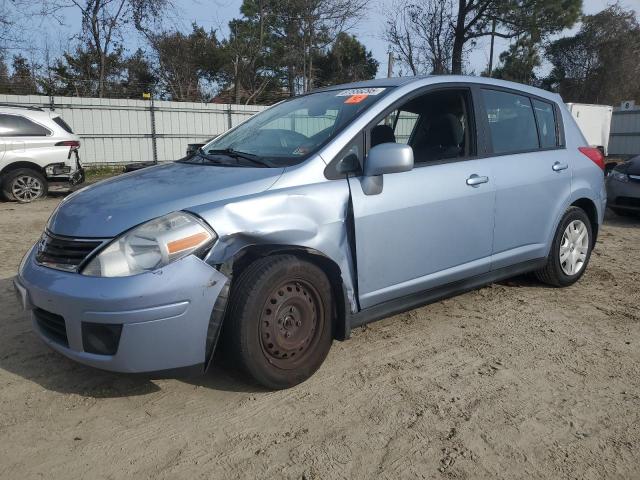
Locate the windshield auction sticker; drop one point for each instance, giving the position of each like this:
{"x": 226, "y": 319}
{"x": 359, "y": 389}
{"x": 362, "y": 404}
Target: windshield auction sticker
{"x": 360, "y": 91}
{"x": 357, "y": 95}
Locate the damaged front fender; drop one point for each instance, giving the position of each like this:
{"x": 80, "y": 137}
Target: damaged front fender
{"x": 312, "y": 216}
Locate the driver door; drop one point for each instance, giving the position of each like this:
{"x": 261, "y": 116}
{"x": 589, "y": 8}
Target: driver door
{"x": 428, "y": 226}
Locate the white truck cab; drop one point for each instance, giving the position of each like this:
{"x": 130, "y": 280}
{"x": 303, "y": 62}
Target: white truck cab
{"x": 594, "y": 122}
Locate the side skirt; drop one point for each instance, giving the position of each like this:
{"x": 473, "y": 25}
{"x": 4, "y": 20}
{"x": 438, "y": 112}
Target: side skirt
{"x": 409, "y": 302}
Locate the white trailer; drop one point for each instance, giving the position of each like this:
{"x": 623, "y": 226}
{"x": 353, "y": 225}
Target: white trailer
{"x": 595, "y": 123}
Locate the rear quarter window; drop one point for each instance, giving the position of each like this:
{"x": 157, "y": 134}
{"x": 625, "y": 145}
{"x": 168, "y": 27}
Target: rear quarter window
{"x": 511, "y": 122}
{"x": 19, "y": 126}
{"x": 547, "y": 127}
{"x": 64, "y": 125}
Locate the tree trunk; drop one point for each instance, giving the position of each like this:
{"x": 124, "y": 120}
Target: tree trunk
{"x": 310, "y": 81}
{"x": 236, "y": 81}
{"x": 456, "y": 57}
{"x": 459, "y": 39}
{"x": 103, "y": 61}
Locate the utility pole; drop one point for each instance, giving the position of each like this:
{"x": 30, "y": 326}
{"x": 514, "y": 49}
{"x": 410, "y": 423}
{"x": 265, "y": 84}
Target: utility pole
{"x": 493, "y": 36}
{"x": 154, "y": 140}
{"x": 390, "y": 66}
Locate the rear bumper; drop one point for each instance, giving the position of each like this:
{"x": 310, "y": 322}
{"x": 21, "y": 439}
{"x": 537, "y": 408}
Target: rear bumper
{"x": 165, "y": 316}
{"x": 67, "y": 181}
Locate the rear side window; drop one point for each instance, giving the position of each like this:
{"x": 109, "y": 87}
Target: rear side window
{"x": 65, "y": 126}
{"x": 546, "y": 124}
{"x": 18, "y": 126}
{"x": 511, "y": 122}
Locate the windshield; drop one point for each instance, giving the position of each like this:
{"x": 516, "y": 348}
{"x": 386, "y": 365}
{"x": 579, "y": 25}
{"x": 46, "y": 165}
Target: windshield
{"x": 287, "y": 133}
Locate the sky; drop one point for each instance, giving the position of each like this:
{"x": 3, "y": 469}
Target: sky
{"x": 216, "y": 14}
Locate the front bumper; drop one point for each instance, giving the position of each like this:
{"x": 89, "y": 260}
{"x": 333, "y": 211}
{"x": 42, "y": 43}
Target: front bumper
{"x": 166, "y": 316}
{"x": 623, "y": 195}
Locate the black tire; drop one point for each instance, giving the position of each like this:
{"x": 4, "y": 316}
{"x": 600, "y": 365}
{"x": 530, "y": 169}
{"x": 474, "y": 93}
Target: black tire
{"x": 552, "y": 273}
{"x": 623, "y": 213}
{"x": 31, "y": 177}
{"x": 279, "y": 326}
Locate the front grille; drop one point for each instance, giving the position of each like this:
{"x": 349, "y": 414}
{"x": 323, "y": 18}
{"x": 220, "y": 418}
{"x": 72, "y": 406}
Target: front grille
{"x": 52, "y": 326}
{"x": 64, "y": 253}
{"x": 628, "y": 202}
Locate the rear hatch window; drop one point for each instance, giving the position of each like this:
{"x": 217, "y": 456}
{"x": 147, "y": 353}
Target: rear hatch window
{"x": 63, "y": 124}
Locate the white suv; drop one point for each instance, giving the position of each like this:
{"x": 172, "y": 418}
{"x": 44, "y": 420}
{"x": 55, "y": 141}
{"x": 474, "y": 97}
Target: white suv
{"x": 37, "y": 150}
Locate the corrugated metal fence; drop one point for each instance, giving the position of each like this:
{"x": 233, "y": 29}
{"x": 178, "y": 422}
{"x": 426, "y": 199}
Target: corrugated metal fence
{"x": 624, "y": 138}
{"x": 120, "y": 131}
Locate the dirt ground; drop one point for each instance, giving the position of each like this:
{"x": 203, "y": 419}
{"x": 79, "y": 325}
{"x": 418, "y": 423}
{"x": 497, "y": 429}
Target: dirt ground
{"x": 515, "y": 380}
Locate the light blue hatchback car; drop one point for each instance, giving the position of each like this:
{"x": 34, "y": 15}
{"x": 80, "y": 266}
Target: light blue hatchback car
{"x": 318, "y": 215}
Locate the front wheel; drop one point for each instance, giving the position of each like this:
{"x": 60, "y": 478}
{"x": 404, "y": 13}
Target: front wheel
{"x": 570, "y": 250}
{"x": 280, "y": 320}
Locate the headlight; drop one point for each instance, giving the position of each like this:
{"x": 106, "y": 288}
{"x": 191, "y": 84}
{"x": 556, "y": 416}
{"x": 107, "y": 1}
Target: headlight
{"x": 152, "y": 245}
{"x": 619, "y": 176}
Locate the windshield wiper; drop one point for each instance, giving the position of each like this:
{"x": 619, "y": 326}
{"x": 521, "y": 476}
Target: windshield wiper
{"x": 255, "y": 159}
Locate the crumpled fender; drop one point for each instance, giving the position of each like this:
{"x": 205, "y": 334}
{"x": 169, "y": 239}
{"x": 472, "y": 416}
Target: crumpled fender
{"x": 311, "y": 216}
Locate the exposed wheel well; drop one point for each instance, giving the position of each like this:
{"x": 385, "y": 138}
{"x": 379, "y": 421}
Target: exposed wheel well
{"x": 250, "y": 254}
{"x": 22, "y": 164}
{"x": 592, "y": 212}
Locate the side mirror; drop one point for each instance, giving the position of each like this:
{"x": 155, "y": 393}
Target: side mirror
{"x": 384, "y": 158}
{"x": 388, "y": 158}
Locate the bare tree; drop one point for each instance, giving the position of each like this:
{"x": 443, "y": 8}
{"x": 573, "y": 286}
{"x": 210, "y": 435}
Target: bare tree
{"x": 304, "y": 27}
{"x": 509, "y": 19}
{"x": 13, "y": 14}
{"x": 427, "y": 34}
{"x": 325, "y": 19}
{"x": 420, "y": 34}
{"x": 103, "y": 22}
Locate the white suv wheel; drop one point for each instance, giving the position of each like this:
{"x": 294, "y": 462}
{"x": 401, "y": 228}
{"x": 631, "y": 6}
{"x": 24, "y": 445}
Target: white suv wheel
{"x": 26, "y": 188}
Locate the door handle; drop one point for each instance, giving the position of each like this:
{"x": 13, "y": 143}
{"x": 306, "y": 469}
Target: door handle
{"x": 475, "y": 180}
{"x": 557, "y": 167}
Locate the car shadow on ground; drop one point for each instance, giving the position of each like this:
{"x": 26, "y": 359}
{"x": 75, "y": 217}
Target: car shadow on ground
{"x": 632, "y": 221}
{"x": 528, "y": 280}
{"x": 223, "y": 375}
{"x": 23, "y": 354}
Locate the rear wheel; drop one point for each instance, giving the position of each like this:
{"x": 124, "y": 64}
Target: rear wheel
{"x": 24, "y": 185}
{"x": 280, "y": 320}
{"x": 570, "y": 250}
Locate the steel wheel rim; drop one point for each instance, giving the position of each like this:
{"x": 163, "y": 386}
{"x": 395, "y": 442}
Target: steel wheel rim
{"x": 574, "y": 248}
{"x": 290, "y": 323}
{"x": 26, "y": 188}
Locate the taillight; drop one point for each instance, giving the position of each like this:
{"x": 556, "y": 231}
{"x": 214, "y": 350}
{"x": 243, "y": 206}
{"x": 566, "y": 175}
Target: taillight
{"x": 69, "y": 143}
{"x": 594, "y": 154}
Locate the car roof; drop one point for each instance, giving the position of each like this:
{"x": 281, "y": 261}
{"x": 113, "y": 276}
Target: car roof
{"x": 17, "y": 106}
{"x": 436, "y": 79}
{"x": 376, "y": 82}
{"x": 32, "y": 112}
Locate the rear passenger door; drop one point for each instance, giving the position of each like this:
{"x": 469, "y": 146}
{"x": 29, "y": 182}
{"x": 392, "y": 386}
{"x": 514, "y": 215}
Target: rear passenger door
{"x": 531, "y": 177}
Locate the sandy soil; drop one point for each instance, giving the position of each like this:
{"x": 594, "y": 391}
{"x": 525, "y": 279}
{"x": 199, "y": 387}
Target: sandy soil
{"x": 515, "y": 380}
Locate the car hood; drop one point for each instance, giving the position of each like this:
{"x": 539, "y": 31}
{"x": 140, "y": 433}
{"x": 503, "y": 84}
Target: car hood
{"x": 110, "y": 207}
